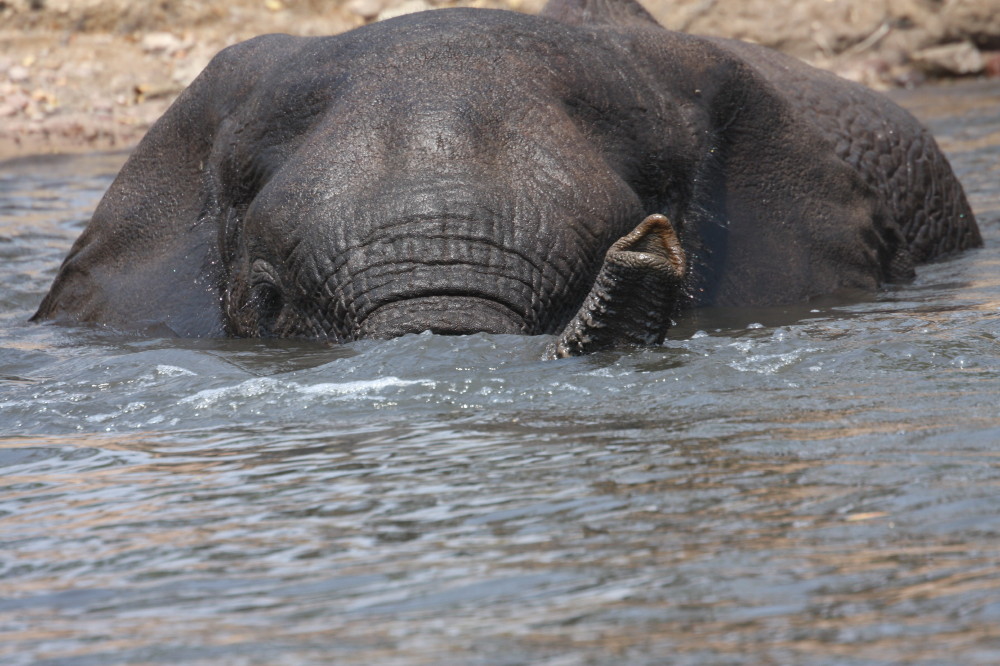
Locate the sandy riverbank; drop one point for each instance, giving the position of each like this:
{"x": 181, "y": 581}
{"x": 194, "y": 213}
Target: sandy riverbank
{"x": 81, "y": 75}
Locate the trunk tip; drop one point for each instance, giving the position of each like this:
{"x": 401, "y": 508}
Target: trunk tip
{"x": 654, "y": 241}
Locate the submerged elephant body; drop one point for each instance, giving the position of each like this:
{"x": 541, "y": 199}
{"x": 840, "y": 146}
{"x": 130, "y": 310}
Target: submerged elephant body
{"x": 583, "y": 172}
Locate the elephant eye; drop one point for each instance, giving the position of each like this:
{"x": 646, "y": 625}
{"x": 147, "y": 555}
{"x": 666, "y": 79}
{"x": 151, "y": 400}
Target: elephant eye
{"x": 265, "y": 297}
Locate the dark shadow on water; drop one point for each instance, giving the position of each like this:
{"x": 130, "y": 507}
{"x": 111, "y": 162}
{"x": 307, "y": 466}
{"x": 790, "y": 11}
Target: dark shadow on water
{"x": 736, "y": 321}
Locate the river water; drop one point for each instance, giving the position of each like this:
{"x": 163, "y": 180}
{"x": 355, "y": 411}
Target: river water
{"x": 817, "y": 485}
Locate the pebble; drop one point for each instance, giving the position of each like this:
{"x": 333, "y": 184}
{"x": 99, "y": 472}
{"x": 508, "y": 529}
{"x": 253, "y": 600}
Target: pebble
{"x": 18, "y": 74}
{"x": 405, "y": 7}
{"x": 366, "y": 9}
{"x": 165, "y": 43}
{"x": 962, "y": 59}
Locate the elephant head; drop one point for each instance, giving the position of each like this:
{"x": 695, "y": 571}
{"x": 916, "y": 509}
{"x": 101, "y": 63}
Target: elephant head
{"x": 584, "y": 173}
{"x": 472, "y": 181}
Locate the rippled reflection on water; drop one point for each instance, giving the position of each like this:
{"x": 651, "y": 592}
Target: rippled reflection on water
{"x": 819, "y": 486}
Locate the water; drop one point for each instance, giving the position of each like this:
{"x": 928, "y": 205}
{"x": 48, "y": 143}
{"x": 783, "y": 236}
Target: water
{"x": 821, "y": 486}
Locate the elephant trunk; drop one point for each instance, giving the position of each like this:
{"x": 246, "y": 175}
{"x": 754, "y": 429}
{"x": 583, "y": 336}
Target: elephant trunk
{"x": 634, "y": 295}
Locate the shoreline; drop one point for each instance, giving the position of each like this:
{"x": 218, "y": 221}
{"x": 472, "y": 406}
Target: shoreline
{"x": 94, "y": 75}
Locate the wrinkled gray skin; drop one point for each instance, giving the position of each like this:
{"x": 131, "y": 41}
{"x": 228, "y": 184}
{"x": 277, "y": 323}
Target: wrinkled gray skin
{"x": 584, "y": 173}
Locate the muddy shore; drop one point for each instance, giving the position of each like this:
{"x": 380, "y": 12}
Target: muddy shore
{"x": 78, "y": 75}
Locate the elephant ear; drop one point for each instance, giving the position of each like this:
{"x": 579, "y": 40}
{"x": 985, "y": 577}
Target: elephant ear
{"x": 781, "y": 217}
{"x": 622, "y": 13}
{"x": 144, "y": 262}
{"x": 148, "y": 260}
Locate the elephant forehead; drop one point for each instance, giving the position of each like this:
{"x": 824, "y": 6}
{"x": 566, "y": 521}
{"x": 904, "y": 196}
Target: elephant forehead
{"x": 524, "y": 106}
{"x": 447, "y": 159}
{"x": 573, "y": 206}
{"x": 452, "y": 67}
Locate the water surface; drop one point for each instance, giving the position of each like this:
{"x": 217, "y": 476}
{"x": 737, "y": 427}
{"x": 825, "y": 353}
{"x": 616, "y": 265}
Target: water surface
{"x": 814, "y": 485}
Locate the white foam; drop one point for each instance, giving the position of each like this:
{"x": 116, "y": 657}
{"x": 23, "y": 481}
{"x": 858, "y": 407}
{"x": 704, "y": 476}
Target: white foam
{"x": 264, "y": 385}
{"x": 361, "y": 386}
{"x": 247, "y": 389}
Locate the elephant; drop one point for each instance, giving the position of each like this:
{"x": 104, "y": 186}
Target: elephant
{"x": 582, "y": 173}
